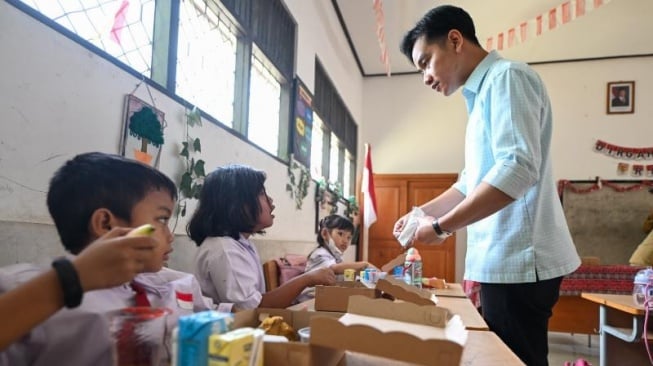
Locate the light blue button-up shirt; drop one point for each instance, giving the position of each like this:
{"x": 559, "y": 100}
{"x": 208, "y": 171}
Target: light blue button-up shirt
{"x": 507, "y": 145}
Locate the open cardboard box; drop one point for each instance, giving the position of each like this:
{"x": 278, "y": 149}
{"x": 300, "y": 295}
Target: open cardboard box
{"x": 405, "y": 332}
{"x": 335, "y": 298}
{"x": 399, "y": 290}
{"x": 290, "y": 353}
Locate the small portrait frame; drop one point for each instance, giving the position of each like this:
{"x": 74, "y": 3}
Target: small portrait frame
{"x": 620, "y": 97}
{"x": 142, "y": 131}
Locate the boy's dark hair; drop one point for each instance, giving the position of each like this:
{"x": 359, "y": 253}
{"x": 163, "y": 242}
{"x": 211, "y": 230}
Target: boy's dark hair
{"x": 332, "y": 222}
{"x": 228, "y": 203}
{"x": 435, "y": 26}
{"x": 95, "y": 180}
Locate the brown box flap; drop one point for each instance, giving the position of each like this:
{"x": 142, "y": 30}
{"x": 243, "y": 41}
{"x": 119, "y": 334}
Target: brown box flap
{"x": 401, "y": 291}
{"x": 401, "y": 311}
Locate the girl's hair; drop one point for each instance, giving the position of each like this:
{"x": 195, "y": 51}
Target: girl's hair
{"x": 332, "y": 222}
{"x": 228, "y": 203}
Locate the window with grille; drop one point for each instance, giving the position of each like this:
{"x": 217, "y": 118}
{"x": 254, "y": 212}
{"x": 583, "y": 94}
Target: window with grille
{"x": 206, "y": 59}
{"x": 264, "y": 103}
{"x": 123, "y": 29}
{"x": 233, "y": 59}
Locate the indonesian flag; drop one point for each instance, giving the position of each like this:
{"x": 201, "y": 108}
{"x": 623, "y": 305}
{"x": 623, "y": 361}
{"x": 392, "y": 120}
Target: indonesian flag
{"x": 367, "y": 187}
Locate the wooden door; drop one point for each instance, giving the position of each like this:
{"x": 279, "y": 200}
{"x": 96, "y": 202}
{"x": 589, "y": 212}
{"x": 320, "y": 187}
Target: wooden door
{"x": 395, "y": 196}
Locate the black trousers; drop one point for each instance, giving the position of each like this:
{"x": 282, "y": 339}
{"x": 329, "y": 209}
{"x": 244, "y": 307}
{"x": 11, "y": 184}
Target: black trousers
{"x": 519, "y": 314}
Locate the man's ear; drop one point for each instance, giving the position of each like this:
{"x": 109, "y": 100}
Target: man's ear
{"x": 456, "y": 38}
{"x": 101, "y": 222}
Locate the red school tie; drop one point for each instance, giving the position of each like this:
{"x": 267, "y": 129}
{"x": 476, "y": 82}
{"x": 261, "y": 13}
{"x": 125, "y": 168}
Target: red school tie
{"x": 141, "y": 295}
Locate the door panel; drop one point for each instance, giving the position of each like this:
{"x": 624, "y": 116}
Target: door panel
{"x": 396, "y": 194}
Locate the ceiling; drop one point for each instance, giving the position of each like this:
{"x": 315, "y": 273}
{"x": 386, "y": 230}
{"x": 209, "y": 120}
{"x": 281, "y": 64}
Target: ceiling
{"x": 619, "y": 28}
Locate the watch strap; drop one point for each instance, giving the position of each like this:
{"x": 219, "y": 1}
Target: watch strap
{"x": 69, "y": 280}
{"x": 442, "y": 234}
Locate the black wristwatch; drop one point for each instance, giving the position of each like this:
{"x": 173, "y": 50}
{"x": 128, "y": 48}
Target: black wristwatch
{"x": 69, "y": 280}
{"x": 442, "y": 234}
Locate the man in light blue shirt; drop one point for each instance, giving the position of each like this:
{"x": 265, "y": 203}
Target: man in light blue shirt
{"x": 519, "y": 245}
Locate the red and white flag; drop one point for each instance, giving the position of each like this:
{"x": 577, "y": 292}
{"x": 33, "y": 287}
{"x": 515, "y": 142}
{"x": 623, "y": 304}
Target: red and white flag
{"x": 119, "y": 21}
{"x": 367, "y": 187}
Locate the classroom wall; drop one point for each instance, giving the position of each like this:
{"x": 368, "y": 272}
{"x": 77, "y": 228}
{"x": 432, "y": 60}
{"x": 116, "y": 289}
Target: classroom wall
{"x": 59, "y": 99}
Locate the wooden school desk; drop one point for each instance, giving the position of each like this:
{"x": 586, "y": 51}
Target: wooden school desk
{"x": 621, "y": 324}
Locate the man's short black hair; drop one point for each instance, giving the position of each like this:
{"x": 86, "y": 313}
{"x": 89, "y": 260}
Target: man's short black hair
{"x": 95, "y": 180}
{"x": 436, "y": 24}
{"x": 228, "y": 203}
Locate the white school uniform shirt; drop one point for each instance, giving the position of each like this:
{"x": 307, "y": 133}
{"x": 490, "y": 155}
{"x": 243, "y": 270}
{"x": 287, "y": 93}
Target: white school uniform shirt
{"x": 80, "y": 336}
{"x": 230, "y": 272}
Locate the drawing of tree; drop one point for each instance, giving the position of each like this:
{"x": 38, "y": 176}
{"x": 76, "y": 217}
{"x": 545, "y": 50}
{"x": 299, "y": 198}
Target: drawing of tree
{"x": 145, "y": 126}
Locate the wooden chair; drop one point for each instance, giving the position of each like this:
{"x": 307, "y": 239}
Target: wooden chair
{"x": 271, "y": 274}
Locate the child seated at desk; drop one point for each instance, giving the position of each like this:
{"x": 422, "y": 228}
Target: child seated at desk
{"x": 233, "y": 206}
{"x": 89, "y": 196}
{"x": 333, "y": 238}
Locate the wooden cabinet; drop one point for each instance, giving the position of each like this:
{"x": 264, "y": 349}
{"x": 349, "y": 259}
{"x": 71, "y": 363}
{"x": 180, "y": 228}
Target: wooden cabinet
{"x": 396, "y": 194}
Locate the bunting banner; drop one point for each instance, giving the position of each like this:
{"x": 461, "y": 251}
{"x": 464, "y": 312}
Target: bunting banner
{"x": 550, "y": 20}
{"x": 377, "y": 5}
{"x": 583, "y": 188}
{"x": 119, "y": 22}
{"x": 623, "y": 153}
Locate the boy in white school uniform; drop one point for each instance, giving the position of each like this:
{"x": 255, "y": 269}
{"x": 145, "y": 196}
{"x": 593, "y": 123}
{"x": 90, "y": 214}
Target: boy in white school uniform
{"x": 88, "y": 196}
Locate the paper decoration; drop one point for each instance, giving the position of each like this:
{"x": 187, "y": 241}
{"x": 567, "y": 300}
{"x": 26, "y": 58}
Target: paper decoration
{"x": 550, "y": 20}
{"x": 119, "y": 21}
{"x": 599, "y": 184}
{"x": 377, "y": 5}
{"x": 624, "y": 153}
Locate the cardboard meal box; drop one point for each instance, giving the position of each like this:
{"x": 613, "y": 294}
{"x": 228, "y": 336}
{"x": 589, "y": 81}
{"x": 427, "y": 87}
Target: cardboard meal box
{"x": 335, "y": 298}
{"x": 405, "y": 332}
{"x": 395, "y": 289}
{"x": 288, "y": 353}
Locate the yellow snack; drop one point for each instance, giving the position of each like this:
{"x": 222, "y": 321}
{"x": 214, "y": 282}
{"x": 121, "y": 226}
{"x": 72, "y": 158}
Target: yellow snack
{"x": 275, "y": 325}
{"x": 143, "y": 230}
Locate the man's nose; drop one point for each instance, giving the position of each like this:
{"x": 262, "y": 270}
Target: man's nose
{"x": 428, "y": 79}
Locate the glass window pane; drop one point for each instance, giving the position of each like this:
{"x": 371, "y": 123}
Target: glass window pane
{"x": 333, "y": 160}
{"x": 206, "y": 60}
{"x": 121, "y": 28}
{"x": 317, "y": 137}
{"x": 264, "y": 104}
{"x": 346, "y": 181}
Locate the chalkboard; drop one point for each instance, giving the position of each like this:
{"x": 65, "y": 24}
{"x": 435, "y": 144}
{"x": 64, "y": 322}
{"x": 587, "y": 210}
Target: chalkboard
{"x": 605, "y": 222}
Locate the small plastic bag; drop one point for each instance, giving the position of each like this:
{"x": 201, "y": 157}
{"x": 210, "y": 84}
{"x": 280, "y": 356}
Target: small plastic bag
{"x": 410, "y": 227}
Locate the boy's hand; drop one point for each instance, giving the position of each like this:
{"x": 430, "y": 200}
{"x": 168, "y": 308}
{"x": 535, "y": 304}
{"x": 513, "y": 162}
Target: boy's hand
{"x": 322, "y": 276}
{"x": 114, "y": 259}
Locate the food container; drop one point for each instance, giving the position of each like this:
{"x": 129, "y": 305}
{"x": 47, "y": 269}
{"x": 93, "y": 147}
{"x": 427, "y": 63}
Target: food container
{"x": 138, "y": 335}
{"x": 304, "y": 334}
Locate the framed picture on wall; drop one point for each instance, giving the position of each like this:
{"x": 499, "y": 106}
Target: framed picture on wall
{"x": 142, "y": 131}
{"x": 620, "y": 97}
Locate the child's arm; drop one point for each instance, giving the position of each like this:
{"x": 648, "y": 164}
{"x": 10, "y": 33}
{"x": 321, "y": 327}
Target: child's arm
{"x": 284, "y": 295}
{"x": 107, "y": 263}
{"x": 339, "y": 268}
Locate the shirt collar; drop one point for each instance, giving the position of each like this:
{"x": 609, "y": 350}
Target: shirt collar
{"x": 475, "y": 79}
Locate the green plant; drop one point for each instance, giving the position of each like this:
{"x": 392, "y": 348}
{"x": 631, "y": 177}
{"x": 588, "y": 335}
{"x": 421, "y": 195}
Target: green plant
{"x": 297, "y": 186}
{"x": 331, "y": 194}
{"x": 192, "y": 178}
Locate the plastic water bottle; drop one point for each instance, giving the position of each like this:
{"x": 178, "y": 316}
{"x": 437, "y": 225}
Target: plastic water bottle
{"x": 413, "y": 268}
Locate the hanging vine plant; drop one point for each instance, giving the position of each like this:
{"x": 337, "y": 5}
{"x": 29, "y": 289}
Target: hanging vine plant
{"x": 299, "y": 179}
{"x": 192, "y": 178}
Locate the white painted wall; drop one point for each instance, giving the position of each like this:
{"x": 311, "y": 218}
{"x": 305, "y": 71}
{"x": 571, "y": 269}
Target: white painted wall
{"x": 58, "y": 99}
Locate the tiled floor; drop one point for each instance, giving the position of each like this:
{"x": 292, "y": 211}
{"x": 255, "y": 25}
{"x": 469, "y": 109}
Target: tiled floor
{"x": 570, "y": 347}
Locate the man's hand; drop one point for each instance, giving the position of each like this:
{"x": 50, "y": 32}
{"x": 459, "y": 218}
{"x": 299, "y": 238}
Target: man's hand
{"x": 399, "y": 225}
{"x": 425, "y": 232}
